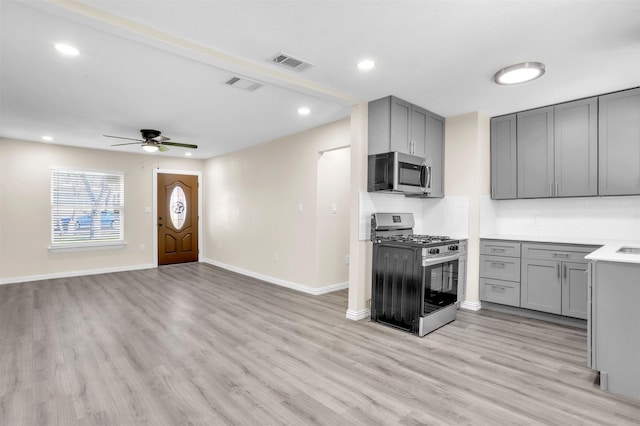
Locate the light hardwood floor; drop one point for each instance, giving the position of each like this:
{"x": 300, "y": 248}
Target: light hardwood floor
{"x": 195, "y": 344}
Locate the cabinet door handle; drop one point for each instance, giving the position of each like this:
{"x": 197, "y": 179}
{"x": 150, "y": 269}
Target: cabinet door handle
{"x": 550, "y": 189}
{"x": 558, "y": 254}
{"x": 564, "y": 266}
{"x": 501, "y": 250}
{"x": 498, "y": 264}
{"x": 558, "y": 265}
{"x": 556, "y": 193}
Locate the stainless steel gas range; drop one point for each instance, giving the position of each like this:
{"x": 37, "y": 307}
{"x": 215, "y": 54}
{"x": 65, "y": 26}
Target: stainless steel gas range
{"x": 415, "y": 277}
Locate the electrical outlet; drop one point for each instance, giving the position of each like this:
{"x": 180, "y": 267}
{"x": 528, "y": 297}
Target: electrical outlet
{"x": 300, "y": 208}
{"x": 276, "y": 257}
{"x": 368, "y": 304}
{"x": 334, "y": 208}
{"x": 143, "y": 247}
{"x": 347, "y": 259}
{"x": 534, "y": 220}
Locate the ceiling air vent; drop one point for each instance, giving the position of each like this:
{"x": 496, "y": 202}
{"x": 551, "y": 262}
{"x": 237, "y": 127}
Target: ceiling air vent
{"x": 288, "y": 61}
{"x": 243, "y": 83}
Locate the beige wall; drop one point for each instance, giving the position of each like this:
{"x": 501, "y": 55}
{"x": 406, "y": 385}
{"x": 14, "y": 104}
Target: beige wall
{"x": 332, "y": 243}
{"x": 25, "y": 173}
{"x": 252, "y": 199}
{"x": 467, "y": 169}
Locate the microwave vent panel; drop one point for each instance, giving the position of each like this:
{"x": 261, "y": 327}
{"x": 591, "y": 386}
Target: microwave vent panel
{"x": 243, "y": 83}
{"x": 290, "y": 62}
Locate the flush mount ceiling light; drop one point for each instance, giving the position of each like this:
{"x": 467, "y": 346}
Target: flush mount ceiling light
{"x": 187, "y": 154}
{"x": 47, "y": 138}
{"x": 66, "y": 49}
{"x": 303, "y": 111}
{"x": 366, "y": 65}
{"x": 150, "y": 147}
{"x": 519, "y": 73}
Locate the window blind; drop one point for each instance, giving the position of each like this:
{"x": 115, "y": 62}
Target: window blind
{"x": 86, "y": 207}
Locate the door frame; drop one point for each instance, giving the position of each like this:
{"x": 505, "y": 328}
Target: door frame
{"x": 154, "y": 207}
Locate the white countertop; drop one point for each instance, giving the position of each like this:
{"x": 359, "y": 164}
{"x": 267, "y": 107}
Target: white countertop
{"x": 586, "y": 240}
{"x": 608, "y": 251}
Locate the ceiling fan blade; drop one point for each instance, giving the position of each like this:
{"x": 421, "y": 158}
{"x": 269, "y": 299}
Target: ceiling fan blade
{"x": 120, "y": 137}
{"x": 128, "y": 143}
{"x": 162, "y": 148}
{"x": 183, "y": 145}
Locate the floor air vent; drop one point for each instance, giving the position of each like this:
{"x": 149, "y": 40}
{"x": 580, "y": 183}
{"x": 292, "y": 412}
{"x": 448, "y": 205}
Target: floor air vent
{"x": 290, "y": 62}
{"x": 243, "y": 83}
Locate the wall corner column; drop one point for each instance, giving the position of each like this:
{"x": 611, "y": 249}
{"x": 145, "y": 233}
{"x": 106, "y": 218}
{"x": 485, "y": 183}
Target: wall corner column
{"x": 359, "y": 251}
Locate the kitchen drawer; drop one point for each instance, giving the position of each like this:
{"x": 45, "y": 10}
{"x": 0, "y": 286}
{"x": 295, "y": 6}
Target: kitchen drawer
{"x": 557, "y": 252}
{"x": 497, "y": 291}
{"x": 500, "y": 248}
{"x": 500, "y": 267}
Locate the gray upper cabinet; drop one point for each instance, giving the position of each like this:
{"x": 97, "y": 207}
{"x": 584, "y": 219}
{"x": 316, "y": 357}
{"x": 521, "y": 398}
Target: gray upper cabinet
{"x": 400, "y": 124}
{"x": 397, "y": 125}
{"x": 576, "y": 148}
{"x": 503, "y": 157}
{"x": 419, "y": 131}
{"x": 619, "y": 143}
{"x": 435, "y": 152}
{"x": 557, "y": 149}
{"x": 535, "y": 153}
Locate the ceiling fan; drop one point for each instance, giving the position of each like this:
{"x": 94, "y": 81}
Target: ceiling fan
{"x": 152, "y": 141}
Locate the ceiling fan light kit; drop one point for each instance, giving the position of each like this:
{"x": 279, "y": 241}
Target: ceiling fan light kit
{"x": 519, "y": 73}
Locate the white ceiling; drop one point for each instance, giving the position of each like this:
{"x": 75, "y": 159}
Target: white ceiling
{"x": 162, "y": 64}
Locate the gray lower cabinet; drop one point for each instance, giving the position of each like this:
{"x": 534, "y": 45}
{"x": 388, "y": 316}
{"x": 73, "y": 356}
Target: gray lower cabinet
{"x": 541, "y": 286}
{"x": 614, "y": 326}
{"x": 574, "y": 290}
{"x": 619, "y": 143}
{"x": 554, "y": 280}
{"x": 503, "y": 158}
{"x": 500, "y": 272}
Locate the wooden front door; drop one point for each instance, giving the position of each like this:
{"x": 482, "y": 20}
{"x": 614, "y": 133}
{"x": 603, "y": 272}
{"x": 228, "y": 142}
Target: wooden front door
{"x": 177, "y": 218}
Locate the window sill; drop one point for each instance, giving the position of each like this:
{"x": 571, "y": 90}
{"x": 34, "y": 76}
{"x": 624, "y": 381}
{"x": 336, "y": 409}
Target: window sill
{"x": 65, "y": 248}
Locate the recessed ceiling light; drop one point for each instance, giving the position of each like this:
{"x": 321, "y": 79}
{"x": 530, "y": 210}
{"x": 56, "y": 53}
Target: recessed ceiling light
{"x": 303, "y": 111}
{"x": 366, "y": 65}
{"x": 66, "y": 49}
{"x": 187, "y": 154}
{"x": 520, "y": 73}
{"x": 47, "y": 138}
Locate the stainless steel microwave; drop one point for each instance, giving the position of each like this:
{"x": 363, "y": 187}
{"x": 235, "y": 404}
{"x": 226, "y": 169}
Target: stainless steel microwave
{"x": 398, "y": 172}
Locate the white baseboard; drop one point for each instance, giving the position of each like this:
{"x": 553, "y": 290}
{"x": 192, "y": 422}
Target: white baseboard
{"x": 358, "y": 315}
{"x": 471, "y": 306}
{"x": 69, "y": 274}
{"x": 315, "y": 291}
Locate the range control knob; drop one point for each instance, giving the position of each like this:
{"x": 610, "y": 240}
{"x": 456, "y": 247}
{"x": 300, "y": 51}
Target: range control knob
{"x": 453, "y": 247}
{"x": 434, "y": 251}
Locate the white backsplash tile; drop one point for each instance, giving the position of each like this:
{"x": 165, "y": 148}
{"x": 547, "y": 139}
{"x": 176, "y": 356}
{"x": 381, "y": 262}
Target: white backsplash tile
{"x": 442, "y": 216}
{"x": 600, "y": 217}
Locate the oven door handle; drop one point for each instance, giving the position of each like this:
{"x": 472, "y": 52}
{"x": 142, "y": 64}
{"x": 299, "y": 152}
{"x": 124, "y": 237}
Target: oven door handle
{"x": 438, "y": 260}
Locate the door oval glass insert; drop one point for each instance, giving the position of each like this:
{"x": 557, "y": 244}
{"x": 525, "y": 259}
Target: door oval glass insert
{"x": 178, "y": 207}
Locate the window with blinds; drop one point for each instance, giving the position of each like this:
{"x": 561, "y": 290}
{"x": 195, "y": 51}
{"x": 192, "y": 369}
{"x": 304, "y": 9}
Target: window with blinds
{"x": 87, "y": 208}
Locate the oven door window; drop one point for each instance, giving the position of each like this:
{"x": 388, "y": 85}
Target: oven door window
{"x": 440, "y": 287}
